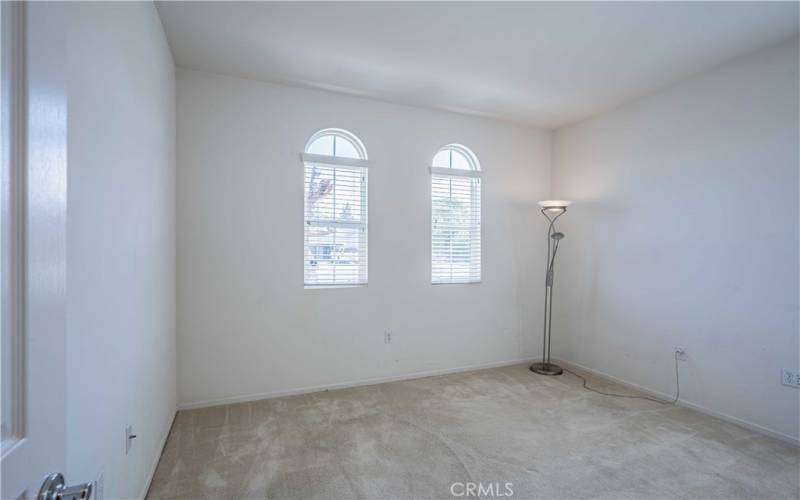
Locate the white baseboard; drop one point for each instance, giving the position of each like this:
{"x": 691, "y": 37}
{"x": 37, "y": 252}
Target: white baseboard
{"x": 157, "y": 458}
{"x": 702, "y": 409}
{"x": 343, "y": 385}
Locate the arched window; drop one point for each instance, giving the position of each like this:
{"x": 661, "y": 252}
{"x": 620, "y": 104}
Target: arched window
{"x": 337, "y": 143}
{"x": 455, "y": 216}
{"x": 335, "y": 220}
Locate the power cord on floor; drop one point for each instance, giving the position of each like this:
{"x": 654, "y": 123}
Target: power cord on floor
{"x": 659, "y": 401}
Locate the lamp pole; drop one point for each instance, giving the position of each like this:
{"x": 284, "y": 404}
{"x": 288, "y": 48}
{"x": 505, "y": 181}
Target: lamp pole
{"x": 551, "y": 210}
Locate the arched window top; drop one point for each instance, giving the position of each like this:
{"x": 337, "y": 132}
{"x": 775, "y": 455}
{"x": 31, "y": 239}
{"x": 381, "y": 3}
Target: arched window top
{"x": 456, "y": 156}
{"x": 337, "y": 143}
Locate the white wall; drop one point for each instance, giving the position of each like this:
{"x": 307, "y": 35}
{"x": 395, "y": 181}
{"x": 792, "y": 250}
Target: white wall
{"x": 684, "y": 232}
{"x": 246, "y": 325}
{"x": 121, "y": 243}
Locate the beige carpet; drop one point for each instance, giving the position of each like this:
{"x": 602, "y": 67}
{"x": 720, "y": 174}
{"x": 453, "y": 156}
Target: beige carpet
{"x": 547, "y": 437}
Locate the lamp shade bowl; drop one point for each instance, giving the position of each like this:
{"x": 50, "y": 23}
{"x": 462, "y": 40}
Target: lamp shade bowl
{"x": 555, "y": 204}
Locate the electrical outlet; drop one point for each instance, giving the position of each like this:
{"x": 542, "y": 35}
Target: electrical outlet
{"x": 790, "y": 378}
{"x": 129, "y": 437}
{"x": 681, "y": 353}
{"x": 97, "y": 491}
{"x": 387, "y": 337}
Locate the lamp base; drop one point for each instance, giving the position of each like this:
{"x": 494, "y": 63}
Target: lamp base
{"x": 546, "y": 369}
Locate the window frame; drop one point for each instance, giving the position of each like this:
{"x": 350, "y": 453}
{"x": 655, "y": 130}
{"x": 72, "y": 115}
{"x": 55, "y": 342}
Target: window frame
{"x": 474, "y": 172}
{"x": 361, "y": 164}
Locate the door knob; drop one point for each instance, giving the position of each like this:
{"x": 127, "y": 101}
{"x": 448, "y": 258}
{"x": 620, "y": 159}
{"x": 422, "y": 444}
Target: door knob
{"x": 53, "y": 488}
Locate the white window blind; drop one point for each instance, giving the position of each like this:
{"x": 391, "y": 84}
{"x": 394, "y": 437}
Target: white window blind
{"x": 456, "y": 217}
{"x": 335, "y": 221}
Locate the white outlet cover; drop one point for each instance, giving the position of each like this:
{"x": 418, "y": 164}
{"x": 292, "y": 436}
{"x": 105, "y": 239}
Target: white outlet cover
{"x": 128, "y": 440}
{"x": 790, "y": 378}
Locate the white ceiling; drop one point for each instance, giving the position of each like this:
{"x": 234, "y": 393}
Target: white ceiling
{"x": 545, "y": 64}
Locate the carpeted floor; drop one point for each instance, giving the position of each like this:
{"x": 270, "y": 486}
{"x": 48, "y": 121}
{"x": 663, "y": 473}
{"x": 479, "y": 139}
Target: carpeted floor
{"x": 547, "y": 437}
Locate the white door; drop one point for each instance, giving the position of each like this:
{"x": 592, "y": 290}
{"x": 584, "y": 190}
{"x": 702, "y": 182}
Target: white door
{"x": 33, "y": 242}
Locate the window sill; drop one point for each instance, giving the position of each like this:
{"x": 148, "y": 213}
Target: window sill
{"x": 456, "y": 283}
{"x": 328, "y": 287}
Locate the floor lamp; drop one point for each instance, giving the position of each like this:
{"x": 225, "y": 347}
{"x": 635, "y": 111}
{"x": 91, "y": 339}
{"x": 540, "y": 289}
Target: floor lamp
{"x": 552, "y": 210}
